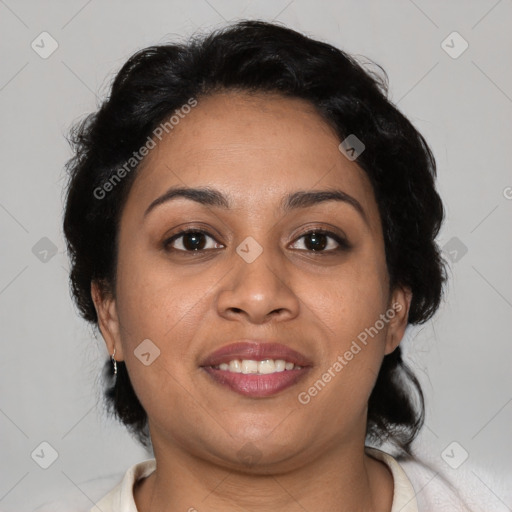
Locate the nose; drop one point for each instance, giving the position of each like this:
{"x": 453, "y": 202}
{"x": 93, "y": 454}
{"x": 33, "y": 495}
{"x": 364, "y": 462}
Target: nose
{"x": 259, "y": 291}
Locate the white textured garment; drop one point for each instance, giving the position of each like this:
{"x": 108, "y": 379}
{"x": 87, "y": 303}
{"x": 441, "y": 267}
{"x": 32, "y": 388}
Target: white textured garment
{"x": 418, "y": 487}
{"x": 121, "y": 499}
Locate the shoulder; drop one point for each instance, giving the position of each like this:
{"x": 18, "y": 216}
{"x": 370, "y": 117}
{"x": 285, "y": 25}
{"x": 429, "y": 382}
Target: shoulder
{"x": 120, "y": 499}
{"x": 466, "y": 489}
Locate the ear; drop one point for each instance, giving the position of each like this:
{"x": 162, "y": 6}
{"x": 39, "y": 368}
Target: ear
{"x": 108, "y": 321}
{"x": 400, "y": 302}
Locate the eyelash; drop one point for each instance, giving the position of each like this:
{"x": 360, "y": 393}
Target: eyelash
{"x": 343, "y": 244}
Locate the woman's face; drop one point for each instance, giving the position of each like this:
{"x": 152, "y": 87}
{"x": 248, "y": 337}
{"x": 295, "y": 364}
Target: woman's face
{"x": 258, "y": 275}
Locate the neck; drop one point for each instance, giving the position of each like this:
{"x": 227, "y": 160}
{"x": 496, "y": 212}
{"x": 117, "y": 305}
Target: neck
{"x": 345, "y": 479}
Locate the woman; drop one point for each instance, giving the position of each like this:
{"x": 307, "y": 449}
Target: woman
{"x": 251, "y": 225}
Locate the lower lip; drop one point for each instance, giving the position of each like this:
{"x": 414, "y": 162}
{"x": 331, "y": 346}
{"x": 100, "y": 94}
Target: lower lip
{"x": 257, "y": 386}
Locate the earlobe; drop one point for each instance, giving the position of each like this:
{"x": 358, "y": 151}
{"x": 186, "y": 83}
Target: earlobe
{"x": 398, "y": 314}
{"x": 108, "y": 322}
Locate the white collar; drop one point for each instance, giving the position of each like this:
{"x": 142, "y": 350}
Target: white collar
{"x": 121, "y": 498}
{"x": 404, "y": 496}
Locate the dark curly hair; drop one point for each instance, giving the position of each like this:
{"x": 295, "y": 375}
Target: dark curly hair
{"x": 256, "y": 56}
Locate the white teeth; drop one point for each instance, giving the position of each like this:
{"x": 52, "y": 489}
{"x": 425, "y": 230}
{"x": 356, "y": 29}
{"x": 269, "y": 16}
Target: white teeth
{"x": 280, "y": 365}
{"x": 249, "y": 366}
{"x": 267, "y": 366}
{"x": 264, "y": 367}
{"x": 234, "y": 366}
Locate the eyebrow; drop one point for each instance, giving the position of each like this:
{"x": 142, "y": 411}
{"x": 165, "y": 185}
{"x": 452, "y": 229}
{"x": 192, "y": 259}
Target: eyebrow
{"x": 301, "y": 199}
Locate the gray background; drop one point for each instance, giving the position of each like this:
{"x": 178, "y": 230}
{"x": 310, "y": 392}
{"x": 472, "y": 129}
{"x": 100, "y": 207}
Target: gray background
{"x": 51, "y": 359}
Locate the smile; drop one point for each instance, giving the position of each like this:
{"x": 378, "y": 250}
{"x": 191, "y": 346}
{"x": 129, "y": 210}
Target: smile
{"x": 257, "y": 385}
{"x": 256, "y": 369}
{"x": 248, "y": 366}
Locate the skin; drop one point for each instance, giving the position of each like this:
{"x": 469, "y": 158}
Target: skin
{"x": 255, "y": 149}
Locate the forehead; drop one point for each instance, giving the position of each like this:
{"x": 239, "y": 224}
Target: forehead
{"x": 254, "y": 147}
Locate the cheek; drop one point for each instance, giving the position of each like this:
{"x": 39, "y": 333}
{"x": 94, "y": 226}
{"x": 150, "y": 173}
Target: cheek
{"x": 356, "y": 296}
{"x": 154, "y": 302}
{"x": 155, "y": 306}
{"x": 354, "y": 334}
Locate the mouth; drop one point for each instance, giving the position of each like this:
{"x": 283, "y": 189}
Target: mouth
{"x": 256, "y": 369}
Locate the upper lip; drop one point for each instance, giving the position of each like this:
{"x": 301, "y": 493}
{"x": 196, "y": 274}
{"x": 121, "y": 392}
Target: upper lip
{"x": 257, "y": 351}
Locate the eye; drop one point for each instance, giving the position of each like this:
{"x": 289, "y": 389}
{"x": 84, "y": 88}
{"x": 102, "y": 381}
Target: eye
{"x": 317, "y": 240}
{"x": 190, "y": 240}
{"x": 196, "y": 240}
